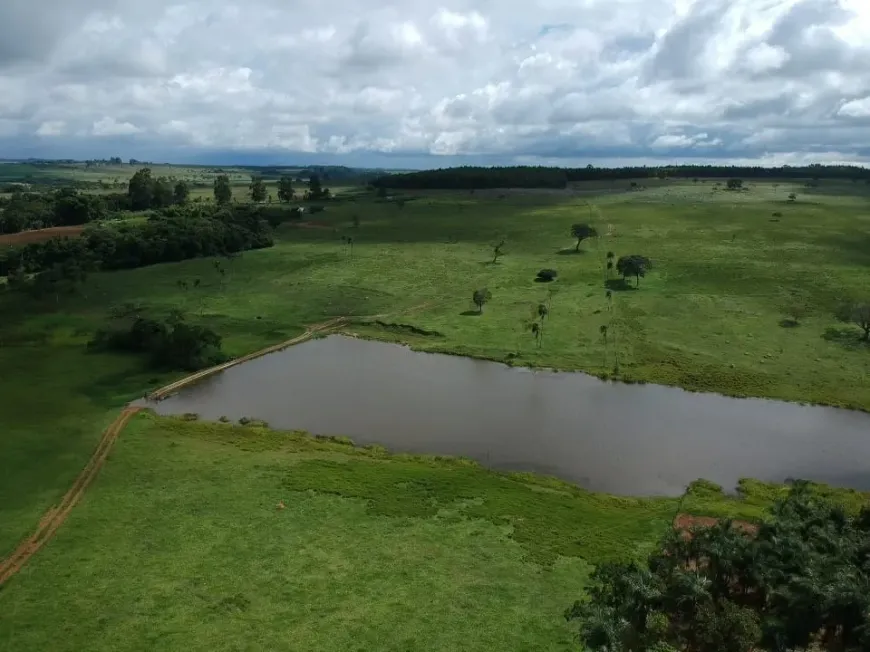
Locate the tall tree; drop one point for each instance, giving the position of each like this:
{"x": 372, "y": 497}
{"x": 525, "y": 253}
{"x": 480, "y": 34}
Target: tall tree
{"x": 223, "y": 191}
{"x": 315, "y": 188}
{"x": 497, "y": 252}
{"x": 257, "y": 189}
{"x": 480, "y": 297}
{"x": 181, "y": 192}
{"x": 582, "y": 232}
{"x": 164, "y": 193}
{"x": 634, "y": 265}
{"x": 285, "y": 188}
{"x": 140, "y": 189}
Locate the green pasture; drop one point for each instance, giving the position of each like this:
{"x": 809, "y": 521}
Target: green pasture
{"x": 179, "y": 544}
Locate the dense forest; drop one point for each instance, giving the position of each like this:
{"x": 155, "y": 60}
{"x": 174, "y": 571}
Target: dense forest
{"x": 21, "y": 211}
{"x": 469, "y": 177}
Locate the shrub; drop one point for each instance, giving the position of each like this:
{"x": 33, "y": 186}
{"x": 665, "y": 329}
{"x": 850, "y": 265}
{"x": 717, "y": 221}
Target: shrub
{"x": 547, "y": 275}
{"x": 169, "y": 344}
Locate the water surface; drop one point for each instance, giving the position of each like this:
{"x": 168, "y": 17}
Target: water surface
{"x": 623, "y": 439}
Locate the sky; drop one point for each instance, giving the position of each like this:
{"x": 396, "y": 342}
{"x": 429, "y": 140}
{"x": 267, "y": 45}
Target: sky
{"x": 409, "y": 83}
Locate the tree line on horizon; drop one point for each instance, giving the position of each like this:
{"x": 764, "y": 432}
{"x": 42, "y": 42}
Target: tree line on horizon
{"x": 523, "y": 176}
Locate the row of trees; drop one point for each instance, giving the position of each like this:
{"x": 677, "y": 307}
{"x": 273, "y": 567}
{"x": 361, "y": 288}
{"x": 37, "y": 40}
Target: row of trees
{"x": 175, "y": 234}
{"x": 801, "y": 582}
{"x": 258, "y": 192}
{"x": 22, "y": 211}
{"x": 472, "y": 177}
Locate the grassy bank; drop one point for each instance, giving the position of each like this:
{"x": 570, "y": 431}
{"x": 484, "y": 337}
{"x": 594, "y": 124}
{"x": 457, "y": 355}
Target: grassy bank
{"x": 207, "y": 536}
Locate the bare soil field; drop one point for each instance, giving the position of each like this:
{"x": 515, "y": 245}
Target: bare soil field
{"x": 41, "y": 235}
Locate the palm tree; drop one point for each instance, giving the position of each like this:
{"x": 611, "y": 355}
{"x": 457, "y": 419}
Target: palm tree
{"x": 542, "y": 311}
{"x": 603, "y": 630}
{"x": 536, "y": 332}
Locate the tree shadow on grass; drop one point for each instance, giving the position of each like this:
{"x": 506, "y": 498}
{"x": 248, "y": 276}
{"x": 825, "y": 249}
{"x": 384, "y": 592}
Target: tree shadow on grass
{"x": 789, "y": 323}
{"x": 471, "y": 313}
{"x": 848, "y": 338}
{"x": 619, "y": 285}
{"x": 538, "y": 279}
{"x": 571, "y": 251}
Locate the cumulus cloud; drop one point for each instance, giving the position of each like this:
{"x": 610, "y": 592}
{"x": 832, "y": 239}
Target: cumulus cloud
{"x": 370, "y": 81}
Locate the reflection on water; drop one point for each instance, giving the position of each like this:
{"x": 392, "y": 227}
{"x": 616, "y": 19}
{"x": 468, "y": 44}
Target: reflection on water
{"x": 624, "y": 439}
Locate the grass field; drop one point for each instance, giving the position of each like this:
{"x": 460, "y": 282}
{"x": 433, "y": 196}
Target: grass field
{"x": 208, "y": 536}
{"x": 179, "y": 543}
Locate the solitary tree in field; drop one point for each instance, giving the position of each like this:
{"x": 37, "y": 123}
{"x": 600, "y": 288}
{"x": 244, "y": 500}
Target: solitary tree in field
{"x": 735, "y": 184}
{"x": 257, "y": 189}
{"x": 481, "y": 297}
{"x": 285, "y": 188}
{"x": 497, "y": 252}
{"x": 633, "y": 265}
{"x": 582, "y": 232}
{"x": 223, "y": 192}
{"x": 792, "y": 197}
{"x": 858, "y": 313}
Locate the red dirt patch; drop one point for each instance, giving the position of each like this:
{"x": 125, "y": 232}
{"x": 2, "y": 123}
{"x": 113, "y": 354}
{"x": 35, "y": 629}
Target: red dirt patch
{"x": 686, "y": 522}
{"x": 41, "y": 235}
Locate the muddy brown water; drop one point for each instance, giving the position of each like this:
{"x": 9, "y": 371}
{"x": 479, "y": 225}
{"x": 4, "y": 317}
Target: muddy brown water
{"x": 612, "y": 437}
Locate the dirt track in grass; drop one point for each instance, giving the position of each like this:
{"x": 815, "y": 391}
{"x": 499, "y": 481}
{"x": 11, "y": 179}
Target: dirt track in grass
{"x": 56, "y": 516}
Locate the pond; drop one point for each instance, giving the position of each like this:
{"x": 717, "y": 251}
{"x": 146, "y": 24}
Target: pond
{"x": 611, "y": 437}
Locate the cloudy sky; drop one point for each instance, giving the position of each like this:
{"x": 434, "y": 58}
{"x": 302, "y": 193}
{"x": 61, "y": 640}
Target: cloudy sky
{"x": 413, "y": 83}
